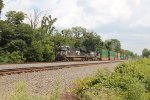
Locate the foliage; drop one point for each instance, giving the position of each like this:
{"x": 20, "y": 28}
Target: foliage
{"x": 145, "y": 53}
{"x": 1, "y": 5}
{"x": 47, "y": 24}
{"x": 48, "y": 53}
{"x": 129, "y": 81}
{"x": 135, "y": 91}
{"x": 113, "y": 44}
{"x": 34, "y": 53}
{"x": 20, "y": 41}
{"x": 15, "y": 17}
{"x": 91, "y": 41}
{"x": 68, "y": 37}
{"x": 14, "y": 57}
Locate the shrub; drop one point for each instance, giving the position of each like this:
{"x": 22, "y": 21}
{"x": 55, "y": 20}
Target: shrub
{"x": 130, "y": 81}
{"x": 100, "y": 94}
{"x": 14, "y": 57}
{"x": 48, "y": 53}
{"x": 88, "y": 82}
{"x": 34, "y": 53}
{"x": 135, "y": 91}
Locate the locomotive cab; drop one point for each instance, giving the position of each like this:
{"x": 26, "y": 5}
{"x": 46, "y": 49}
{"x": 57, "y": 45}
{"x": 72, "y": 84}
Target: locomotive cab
{"x": 61, "y": 52}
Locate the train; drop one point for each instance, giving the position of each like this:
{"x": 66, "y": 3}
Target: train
{"x": 67, "y": 53}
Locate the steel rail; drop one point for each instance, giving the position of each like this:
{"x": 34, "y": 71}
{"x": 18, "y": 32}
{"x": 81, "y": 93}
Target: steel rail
{"x": 44, "y": 68}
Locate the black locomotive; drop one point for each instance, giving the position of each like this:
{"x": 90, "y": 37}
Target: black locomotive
{"x": 66, "y": 53}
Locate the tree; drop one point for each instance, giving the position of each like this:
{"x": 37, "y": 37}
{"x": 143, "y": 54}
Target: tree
{"x": 68, "y": 37}
{"x": 47, "y": 24}
{"x": 129, "y": 54}
{"x": 15, "y": 38}
{"x": 58, "y": 40}
{"x": 91, "y": 41}
{"x": 15, "y": 17}
{"x": 78, "y": 31}
{"x": 145, "y": 52}
{"x": 1, "y": 7}
{"x": 113, "y": 44}
{"x": 78, "y": 35}
{"x": 108, "y": 44}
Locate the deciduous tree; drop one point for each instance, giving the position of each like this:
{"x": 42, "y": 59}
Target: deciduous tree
{"x": 1, "y": 7}
{"x": 15, "y": 17}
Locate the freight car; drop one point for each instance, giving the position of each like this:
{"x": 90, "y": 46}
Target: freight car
{"x": 109, "y": 55}
{"x": 66, "y": 53}
{"x": 102, "y": 54}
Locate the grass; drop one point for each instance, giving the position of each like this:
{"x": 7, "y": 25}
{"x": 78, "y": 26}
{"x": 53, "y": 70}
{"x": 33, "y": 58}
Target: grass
{"x": 20, "y": 92}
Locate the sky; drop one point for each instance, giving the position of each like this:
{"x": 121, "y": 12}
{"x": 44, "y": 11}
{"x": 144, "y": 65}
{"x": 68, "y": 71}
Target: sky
{"x": 126, "y": 20}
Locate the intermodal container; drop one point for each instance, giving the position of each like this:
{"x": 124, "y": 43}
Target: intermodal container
{"x": 118, "y": 56}
{"x": 122, "y": 56}
{"x": 103, "y": 54}
{"x": 112, "y": 55}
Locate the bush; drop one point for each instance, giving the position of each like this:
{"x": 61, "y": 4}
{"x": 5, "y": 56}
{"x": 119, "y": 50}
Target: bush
{"x": 48, "y": 53}
{"x": 34, "y": 53}
{"x": 129, "y": 81}
{"x": 40, "y": 52}
{"x": 135, "y": 91}
{"x": 100, "y": 94}
{"x": 14, "y": 57}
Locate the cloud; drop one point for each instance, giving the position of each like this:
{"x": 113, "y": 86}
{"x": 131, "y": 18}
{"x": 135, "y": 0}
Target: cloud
{"x": 126, "y": 20}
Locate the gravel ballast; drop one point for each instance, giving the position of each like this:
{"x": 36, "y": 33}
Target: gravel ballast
{"x": 45, "y": 81}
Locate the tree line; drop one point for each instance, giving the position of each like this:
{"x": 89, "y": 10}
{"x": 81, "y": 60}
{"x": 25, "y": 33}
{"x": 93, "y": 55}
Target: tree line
{"x": 33, "y": 42}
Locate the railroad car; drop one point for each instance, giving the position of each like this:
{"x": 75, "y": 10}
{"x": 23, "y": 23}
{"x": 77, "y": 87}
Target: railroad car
{"x": 107, "y": 55}
{"x": 118, "y": 56}
{"x": 122, "y": 56}
{"x": 102, "y": 54}
{"x": 112, "y": 55}
{"x": 66, "y": 53}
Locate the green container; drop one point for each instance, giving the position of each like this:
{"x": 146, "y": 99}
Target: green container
{"x": 103, "y": 53}
{"x": 122, "y": 56}
{"x": 112, "y": 55}
{"x": 115, "y": 54}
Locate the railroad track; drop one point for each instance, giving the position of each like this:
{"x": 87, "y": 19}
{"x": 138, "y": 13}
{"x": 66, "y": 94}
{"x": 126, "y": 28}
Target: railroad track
{"x": 44, "y": 68}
